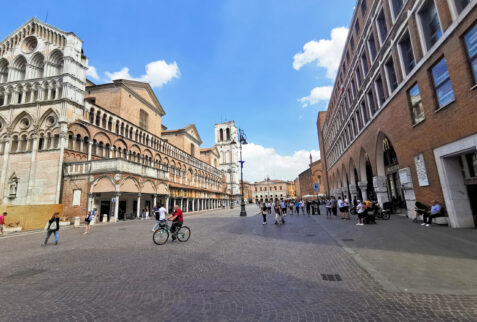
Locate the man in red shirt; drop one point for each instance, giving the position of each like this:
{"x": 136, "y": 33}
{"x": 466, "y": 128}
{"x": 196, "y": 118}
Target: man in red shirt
{"x": 2, "y": 221}
{"x": 177, "y": 220}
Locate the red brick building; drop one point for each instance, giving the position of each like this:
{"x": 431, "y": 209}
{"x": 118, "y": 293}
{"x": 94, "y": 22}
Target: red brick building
{"x": 401, "y": 124}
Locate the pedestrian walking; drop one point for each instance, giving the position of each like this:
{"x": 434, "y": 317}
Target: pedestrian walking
{"x": 297, "y": 206}
{"x": 160, "y": 214}
{"x": 89, "y": 218}
{"x": 341, "y": 207}
{"x": 328, "y": 207}
{"x": 302, "y": 206}
{"x": 334, "y": 209}
{"x": 308, "y": 207}
{"x": 361, "y": 210}
{"x": 2, "y": 221}
{"x": 346, "y": 206}
{"x": 52, "y": 227}
{"x": 284, "y": 207}
{"x": 147, "y": 213}
{"x": 278, "y": 214}
{"x": 264, "y": 212}
{"x": 290, "y": 205}
{"x": 269, "y": 207}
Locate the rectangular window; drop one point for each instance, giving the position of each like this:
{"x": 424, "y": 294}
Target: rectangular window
{"x": 77, "y": 197}
{"x": 143, "y": 119}
{"x": 382, "y": 28}
{"x": 372, "y": 48}
{"x": 358, "y": 120}
{"x": 351, "y": 42}
{"x": 353, "y": 125}
{"x": 364, "y": 111}
{"x": 363, "y": 7}
{"x": 442, "y": 83}
{"x": 406, "y": 54}
{"x": 353, "y": 87}
{"x": 460, "y": 5}
{"x": 396, "y": 6}
{"x": 415, "y": 102}
{"x": 364, "y": 63}
{"x": 429, "y": 20}
{"x": 471, "y": 46}
{"x": 347, "y": 56}
{"x": 350, "y": 132}
{"x": 371, "y": 104}
{"x": 356, "y": 27}
{"x": 391, "y": 73}
{"x": 380, "y": 90}
{"x": 358, "y": 77}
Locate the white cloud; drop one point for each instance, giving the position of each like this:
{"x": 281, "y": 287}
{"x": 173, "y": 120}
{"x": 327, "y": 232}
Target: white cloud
{"x": 157, "y": 74}
{"x": 317, "y": 94}
{"x": 326, "y": 52}
{"x": 91, "y": 72}
{"x": 261, "y": 162}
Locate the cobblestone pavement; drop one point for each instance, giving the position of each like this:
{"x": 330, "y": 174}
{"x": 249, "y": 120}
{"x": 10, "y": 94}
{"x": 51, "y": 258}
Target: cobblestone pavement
{"x": 232, "y": 269}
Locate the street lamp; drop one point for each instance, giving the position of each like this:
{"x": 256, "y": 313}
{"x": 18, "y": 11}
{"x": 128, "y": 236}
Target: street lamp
{"x": 231, "y": 176}
{"x": 243, "y": 140}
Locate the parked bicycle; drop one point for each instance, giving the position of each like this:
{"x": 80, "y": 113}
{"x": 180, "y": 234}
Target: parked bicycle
{"x": 161, "y": 235}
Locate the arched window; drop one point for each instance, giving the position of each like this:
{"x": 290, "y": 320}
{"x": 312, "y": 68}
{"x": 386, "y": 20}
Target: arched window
{"x": 104, "y": 121}
{"x": 91, "y": 115}
{"x": 55, "y": 63}
{"x": 36, "y": 66}
{"x": 19, "y": 69}
{"x": 98, "y": 118}
{"x": 3, "y": 70}
{"x": 110, "y": 123}
{"x": 221, "y": 134}
{"x": 227, "y": 132}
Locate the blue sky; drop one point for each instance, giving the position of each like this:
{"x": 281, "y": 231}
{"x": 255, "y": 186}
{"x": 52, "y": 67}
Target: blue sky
{"x": 234, "y": 59}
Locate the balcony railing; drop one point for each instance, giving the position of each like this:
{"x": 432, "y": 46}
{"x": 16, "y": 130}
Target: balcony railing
{"x": 114, "y": 165}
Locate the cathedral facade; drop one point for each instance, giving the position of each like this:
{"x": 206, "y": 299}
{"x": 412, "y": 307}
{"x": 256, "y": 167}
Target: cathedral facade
{"x": 65, "y": 140}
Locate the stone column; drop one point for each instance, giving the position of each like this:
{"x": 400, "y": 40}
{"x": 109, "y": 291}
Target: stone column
{"x": 154, "y": 201}
{"x": 138, "y": 210}
{"x": 167, "y": 203}
{"x": 381, "y": 189}
{"x": 90, "y": 149}
{"x": 90, "y": 201}
{"x": 363, "y": 185}
{"x": 62, "y": 140}
{"x": 354, "y": 192}
{"x": 116, "y": 207}
{"x": 6, "y": 152}
{"x": 31, "y": 176}
{"x": 181, "y": 204}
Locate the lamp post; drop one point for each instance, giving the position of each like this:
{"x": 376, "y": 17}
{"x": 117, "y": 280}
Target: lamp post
{"x": 243, "y": 140}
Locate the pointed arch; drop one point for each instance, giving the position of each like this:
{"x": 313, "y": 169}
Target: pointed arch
{"x": 37, "y": 65}
{"x": 129, "y": 184}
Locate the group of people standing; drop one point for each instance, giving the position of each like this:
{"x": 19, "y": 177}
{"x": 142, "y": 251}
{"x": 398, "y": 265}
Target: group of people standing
{"x": 282, "y": 208}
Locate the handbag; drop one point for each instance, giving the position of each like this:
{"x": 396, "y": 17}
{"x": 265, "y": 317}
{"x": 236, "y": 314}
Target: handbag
{"x": 53, "y": 226}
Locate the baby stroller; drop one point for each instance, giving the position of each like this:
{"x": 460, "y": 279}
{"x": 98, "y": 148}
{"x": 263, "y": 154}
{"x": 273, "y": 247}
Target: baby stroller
{"x": 420, "y": 210}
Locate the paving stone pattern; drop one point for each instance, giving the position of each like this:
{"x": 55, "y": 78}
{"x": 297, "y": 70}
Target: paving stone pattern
{"x": 231, "y": 269}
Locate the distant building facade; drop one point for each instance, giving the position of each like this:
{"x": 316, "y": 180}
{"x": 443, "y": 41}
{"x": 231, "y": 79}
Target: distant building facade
{"x": 270, "y": 190}
{"x": 309, "y": 179}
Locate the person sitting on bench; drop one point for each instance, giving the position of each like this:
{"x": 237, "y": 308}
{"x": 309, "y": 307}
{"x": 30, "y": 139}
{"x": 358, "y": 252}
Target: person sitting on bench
{"x": 435, "y": 212}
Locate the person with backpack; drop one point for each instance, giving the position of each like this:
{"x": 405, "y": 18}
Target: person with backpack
{"x": 52, "y": 227}
{"x": 264, "y": 213}
{"x": 87, "y": 220}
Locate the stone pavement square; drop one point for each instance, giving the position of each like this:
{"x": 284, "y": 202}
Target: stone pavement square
{"x": 232, "y": 269}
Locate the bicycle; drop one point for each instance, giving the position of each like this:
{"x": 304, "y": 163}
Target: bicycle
{"x": 161, "y": 235}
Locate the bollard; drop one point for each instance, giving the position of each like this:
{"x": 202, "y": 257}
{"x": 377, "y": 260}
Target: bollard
{"x": 105, "y": 219}
{"x": 77, "y": 222}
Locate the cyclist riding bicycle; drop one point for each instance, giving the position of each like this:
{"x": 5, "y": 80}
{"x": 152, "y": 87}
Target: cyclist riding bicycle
{"x": 177, "y": 220}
